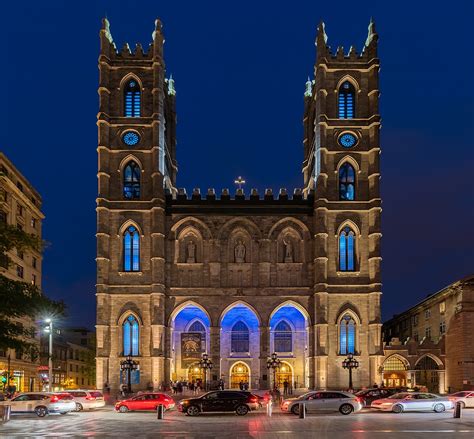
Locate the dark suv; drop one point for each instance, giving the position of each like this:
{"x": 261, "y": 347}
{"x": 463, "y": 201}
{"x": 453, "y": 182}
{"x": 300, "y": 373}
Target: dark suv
{"x": 369, "y": 395}
{"x": 220, "y": 401}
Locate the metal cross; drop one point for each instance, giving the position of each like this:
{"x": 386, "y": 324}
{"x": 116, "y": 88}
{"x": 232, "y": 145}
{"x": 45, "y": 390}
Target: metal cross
{"x": 239, "y": 181}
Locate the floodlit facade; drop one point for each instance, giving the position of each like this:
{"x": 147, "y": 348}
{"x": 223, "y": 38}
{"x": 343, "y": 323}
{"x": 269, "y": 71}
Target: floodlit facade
{"x": 238, "y": 276}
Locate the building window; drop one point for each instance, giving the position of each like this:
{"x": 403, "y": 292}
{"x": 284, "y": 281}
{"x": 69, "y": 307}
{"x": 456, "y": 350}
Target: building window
{"x": 240, "y": 338}
{"x": 347, "y": 335}
{"x": 131, "y": 249}
{"x": 131, "y": 335}
{"x": 19, "y": 210}
{"x": 131, "y": 181}
{"x": 442, "y": 307}
{"x": 346, "y": 250}
{"x": 442, "y": 328}
{"x": 33, "y": 223}
{"x": 428, "y": 332}
{"x": 19, "y": 186}
{"x": 346, "y": 182}
{"x": 34, "y": 262}
{"x": 33, "y": 279}
{"x": 132, "y": 99}
{"x": 283, "y": 337}
{"x": 427, "y": 313}
{"x": 346, "y": 101}
{"x": 20, "y": 271}
{"x": 415, "y": 320}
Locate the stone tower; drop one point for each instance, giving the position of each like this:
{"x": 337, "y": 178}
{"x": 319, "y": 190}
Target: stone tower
{"x": 342, "y": 150}
{"x": 136, "y": 159}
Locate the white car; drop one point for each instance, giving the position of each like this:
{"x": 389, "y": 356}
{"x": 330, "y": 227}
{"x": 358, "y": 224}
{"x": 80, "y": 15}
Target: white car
{"x": 87, "y": 399}
{"x": 412, "y": 401}
{"x": 321, "y": 401}
{"x": 466, "y": 398}
{"x": 41, "y": 403}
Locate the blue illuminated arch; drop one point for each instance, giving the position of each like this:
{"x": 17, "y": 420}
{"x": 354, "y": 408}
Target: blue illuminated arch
{"x": 240, "y": 338}
{"x": 347, "y": 335}
{"x": 131, "y": 180}
{"x": 132, "y": 98}
{"x": 346, "y": 101}
{"x": 346, "y": 182}
{"x": 131, "y": 336}
{"x": 346, "y": 249}
{"x": 283, "y": 337}
{"x": 131, "y": 249}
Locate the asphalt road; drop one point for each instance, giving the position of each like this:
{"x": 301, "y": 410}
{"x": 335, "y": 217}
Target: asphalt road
{"x": 366, "y": 424}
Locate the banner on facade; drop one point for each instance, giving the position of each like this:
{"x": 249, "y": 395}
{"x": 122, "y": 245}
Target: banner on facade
{"x": 191, "y": 348}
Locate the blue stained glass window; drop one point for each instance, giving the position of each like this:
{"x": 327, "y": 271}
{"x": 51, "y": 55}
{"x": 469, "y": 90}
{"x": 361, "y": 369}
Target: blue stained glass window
{"x": 132, "y": 99}
{"x": 346, "y": 101}
{"x": 131, "y": 249}
{"x": 347, "y": 140}
{"x": 131, "y": 138}
{"x": 346, "y": 182}
{"x": 131, "y": 181}
{"x": 346, "y": 250}
{"x": 240, "y": 338}
{"x": 283, "y": 337}
{"x": 347, "y": 335}
{"x": 131, "y": 336}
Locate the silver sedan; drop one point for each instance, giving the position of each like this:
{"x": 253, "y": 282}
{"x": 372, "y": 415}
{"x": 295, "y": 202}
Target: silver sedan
{"x": 323, "y": 401}
{"x": 412, "y": 401}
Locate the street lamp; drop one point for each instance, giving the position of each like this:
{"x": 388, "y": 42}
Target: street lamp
{"x": 350, "y": 363}
{"x": 205, "y": 363}
{"x": 49, "y": 329}
{"x": 274, "y": 363}
{"x": 128, "y": 365}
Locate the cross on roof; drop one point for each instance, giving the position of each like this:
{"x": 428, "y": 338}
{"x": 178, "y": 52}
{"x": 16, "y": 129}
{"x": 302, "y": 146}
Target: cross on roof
{"x": 240, "y": 181}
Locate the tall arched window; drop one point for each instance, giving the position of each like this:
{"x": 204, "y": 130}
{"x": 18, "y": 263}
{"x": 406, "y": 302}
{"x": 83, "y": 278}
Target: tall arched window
{"x": 346, "y": 101}
{"x": 347, "y": 250}
{"x": 347, "y": 329}
{"x": 132, "y": 99}
{"x": 131, "y": 336}
{"x": 239, "y": 341}
{"x": 346, "y": 182}
{"x": 131, "y": 180}
{"x": 197, "y": 326}
{"x": 283, "y": 337}
{"x": 131, "y": 249}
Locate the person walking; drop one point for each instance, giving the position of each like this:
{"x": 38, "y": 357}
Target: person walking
{"x": 285, "y": 387}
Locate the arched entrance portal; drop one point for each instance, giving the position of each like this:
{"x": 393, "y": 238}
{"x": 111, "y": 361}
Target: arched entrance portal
{"x": 427, "y": 374}
{"x": 285, "y": 374}
{"x": 195, "y": 374}
{"x": 239, "y": 373}
{"x": 394, "y": 372}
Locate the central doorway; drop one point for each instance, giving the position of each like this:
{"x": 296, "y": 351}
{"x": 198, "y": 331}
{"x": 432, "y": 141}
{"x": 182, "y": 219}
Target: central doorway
{"x": 239, "y": 373}
{"x": 285, "y": 373}
{"x": 195, "y": 374}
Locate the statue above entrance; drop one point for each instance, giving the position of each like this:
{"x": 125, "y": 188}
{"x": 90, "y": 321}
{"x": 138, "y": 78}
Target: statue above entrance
{"x": 191, "y": 253}
{"x": 239, "y": 252}
{"x": 288, "y": 250}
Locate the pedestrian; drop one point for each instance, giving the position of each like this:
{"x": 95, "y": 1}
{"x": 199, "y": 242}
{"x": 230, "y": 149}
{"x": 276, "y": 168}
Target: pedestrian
{"x": 122, "y": 390}
{"x": 241, "y": 385}
{"x": 285, "y": 387}
{"x": 246, "y": 385}
{"x": 221, "y": 384}
{"x": 180, "y": 387}
{"x": 175, "y": 388}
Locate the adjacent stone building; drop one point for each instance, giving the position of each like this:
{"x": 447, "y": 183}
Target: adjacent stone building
{"x": 238, "y": 276}
{"x": 20, "y": 205}
{"x": 432, "y": 343}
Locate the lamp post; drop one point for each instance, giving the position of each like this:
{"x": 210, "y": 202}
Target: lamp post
{"x": 49, "y": 330}
{"x": 206, "y": 364}
{"x": 350, "y": 363}
{"x": 274, "y": 363}
{"x": 129, "y": 365}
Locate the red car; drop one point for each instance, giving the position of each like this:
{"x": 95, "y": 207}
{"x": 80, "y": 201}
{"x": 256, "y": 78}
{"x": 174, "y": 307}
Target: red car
{"x": 145, "y": 401}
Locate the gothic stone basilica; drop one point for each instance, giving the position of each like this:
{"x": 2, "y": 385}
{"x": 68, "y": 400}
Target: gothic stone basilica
{"x": 238, "y": 276}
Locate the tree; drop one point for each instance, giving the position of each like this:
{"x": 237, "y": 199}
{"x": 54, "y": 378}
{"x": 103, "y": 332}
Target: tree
{"x": 20, "y": 302}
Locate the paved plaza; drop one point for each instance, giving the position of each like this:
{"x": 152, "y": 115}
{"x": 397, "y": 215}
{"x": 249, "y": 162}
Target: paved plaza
{"x": 106, "y": 423}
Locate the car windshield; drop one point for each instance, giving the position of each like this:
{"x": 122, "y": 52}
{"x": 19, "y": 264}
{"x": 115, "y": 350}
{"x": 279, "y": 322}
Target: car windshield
{"x": 399, "y": 395}
{"x": 306, "y": 395}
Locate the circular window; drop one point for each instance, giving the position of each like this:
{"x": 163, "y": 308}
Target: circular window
{"x": 130, "y": 138}
{"x": 347, "y": 140}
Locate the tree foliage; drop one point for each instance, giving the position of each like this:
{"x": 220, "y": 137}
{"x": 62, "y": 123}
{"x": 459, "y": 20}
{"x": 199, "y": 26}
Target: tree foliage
{"x": 21, "y": 302}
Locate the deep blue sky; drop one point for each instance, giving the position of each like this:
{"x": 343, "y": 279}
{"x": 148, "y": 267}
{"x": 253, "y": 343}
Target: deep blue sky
{"x": 240, "y": 69}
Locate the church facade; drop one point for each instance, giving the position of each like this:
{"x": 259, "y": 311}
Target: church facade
{"x": 244, "y": 275}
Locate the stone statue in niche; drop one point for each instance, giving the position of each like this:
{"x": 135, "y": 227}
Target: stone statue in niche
{"x": 288, "y": 250}
{"x": 191, "y": 252}
{"x": 239, "y": 252}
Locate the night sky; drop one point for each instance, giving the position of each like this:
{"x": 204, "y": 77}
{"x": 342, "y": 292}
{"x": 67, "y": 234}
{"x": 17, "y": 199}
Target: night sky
{"x": 240, "y": 70}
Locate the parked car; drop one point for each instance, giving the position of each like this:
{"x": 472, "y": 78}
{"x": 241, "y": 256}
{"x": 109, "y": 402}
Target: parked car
{"x": 240, "y": 402}
{"x": 466, "y": 398}
{"x": 413, "y": 401}
{"x": 41, "y": 403}
{"x": 369, "y": 395}
{"x": 145, "y": 401}
{"x": 320, "y": 401}
{"x": 87, "y": 399}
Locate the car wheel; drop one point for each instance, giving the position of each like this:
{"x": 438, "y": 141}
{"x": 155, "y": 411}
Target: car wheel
{"x": 41, "y": 412}
{"x": 346, "y": 409}
{"x": 123, "y": 409}
{"x": 79, "y": 407}
{"x": 242, "y": 410}
{"x": 63, "y": 413}
{"x": 397, "y": 408}
{"x": 192, "y": 410}
{"x": 295, "y": 409}
{"x": 439, "y": 408}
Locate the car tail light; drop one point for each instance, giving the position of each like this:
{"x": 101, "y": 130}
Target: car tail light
{"x": 253, "y": 399}
{"x": 54, "y": 398}
{"x": 90, "y": 398}
{"x": 358, "y": 399}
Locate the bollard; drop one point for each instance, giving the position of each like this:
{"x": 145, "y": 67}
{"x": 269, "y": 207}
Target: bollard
{"x": 302, "y": 411}
{"x": 457, "y": 410}
{"x": 5, "y": 413}
{"x": 160, "y": 410}
{"x": 269, "y": 408}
